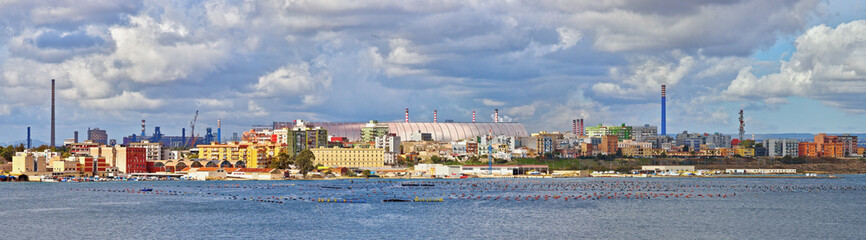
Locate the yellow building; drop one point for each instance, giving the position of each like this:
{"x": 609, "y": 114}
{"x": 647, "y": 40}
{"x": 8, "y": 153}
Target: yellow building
{"x": 745, "y": 152}
{"x": 24, "y": 163}
{"x": 255, "y": 155}
{"x": 349, "y": 157}
{"x": 64, "y": 166}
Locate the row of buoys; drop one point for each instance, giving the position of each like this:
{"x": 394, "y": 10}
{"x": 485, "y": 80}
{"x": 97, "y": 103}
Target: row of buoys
{"x": 340, "y": 200}
{"x": 417, "y": 199}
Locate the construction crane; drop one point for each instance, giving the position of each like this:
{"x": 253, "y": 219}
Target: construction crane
{"x": 192, "y": 130}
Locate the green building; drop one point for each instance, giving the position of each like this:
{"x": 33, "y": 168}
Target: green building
{"x": 305, "y": 136}
{"x": 621, "y": 132}
{"x": 373, "y": 130}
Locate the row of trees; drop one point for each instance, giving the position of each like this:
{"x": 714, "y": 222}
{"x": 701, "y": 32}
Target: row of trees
{"x": 7, "y": 152}
{"x": 303, "y": 161}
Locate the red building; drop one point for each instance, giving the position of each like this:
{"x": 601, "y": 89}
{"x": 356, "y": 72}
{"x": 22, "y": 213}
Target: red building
{"x": 92, "y": 166}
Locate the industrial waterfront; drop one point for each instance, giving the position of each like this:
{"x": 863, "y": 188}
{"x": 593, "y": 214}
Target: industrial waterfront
{"x": 655, "y": 208}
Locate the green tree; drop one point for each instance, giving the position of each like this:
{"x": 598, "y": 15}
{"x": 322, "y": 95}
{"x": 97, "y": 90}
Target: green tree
{"x": 436, "y": 159}
{"x": 282, "y": 161}
{"x": 304, "y": 161}
{"x": 366, "y": 173}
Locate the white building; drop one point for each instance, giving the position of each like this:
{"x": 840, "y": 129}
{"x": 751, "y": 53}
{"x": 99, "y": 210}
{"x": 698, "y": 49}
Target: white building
{"x": 419, "y": 136}
{"x": 439, "y": 170}
{"x": 391, "y": 144}
{"x": 761, "y": 171}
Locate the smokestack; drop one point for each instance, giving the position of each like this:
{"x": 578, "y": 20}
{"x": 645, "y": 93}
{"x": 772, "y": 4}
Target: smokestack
{"x": 435, "y": 116}
{"x": 75, "y": 137}
{"x": 664, "y": 117}
{"x": 142, "y": 128}
{"x": 29, "y": 144}
{"x": 52, "y": 113}
{"x": 496, "y": 115}
{"x": 219, "y": 130}
{"x": 582, "y": 130}
{"x": 473, "y": 116}
{"x": 183, "y": 136}
{"x": 407, "y": 115}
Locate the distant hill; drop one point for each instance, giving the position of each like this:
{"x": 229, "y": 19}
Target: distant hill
{"x": 34, "y": 142}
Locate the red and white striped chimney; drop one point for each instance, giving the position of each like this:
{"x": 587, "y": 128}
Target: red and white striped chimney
{"x": 435, "y": 116}
{"x": 407, "y": 115}
{"x": 496, "y": 115}
{"x": 473, "y": 116}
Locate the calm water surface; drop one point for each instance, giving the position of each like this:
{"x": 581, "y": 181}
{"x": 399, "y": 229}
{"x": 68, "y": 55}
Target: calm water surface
{"x": 655, "y": 208}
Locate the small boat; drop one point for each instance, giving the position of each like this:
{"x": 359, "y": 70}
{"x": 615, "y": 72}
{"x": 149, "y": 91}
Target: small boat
{"x": 146, "y": 189}
{"x": 396, "y": 200}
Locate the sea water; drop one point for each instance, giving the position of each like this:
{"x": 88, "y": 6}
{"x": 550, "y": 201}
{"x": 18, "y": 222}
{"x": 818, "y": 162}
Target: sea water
{"x": 655, "y": 208}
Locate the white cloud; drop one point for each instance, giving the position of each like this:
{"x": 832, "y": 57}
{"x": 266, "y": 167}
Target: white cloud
{"x": 214, "y": 103}
{"x": 124, "y": 101}
{"x": 254, "y": 109}
{"x": 828, "y": 65}
{"x": 294, "y": 80}
{"x": 645, "y": 78}
{"x": 492, "y": 103}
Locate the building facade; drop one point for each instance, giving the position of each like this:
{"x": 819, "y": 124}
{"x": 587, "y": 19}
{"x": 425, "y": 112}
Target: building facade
{"x": 643, "y": 133}
{"x": 153, "y": 151}
{"x": 124, "y": 159}
{"x": 372, "y": 130}
{"x": 622, "y": 132}
{"x": 255, "y": 155}
{"x": 97, "y": 135}
{"x": 782, "y": 147}
{"x": 349, "y": 157}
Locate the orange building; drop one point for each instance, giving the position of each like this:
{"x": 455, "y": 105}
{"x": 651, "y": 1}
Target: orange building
{"x": 848, "y": 144}
{"x": 807, "y": 149}
{"x": 609, "y": 144}
{"x": 834, "y": 150}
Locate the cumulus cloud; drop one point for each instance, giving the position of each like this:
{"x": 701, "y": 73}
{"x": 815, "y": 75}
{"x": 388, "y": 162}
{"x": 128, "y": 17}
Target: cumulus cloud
{"x": 277, "y": 59}
{"x": 294, "y": 80}
{"x": 645, "y": 78}
{"x": 828, "y": 65}
{"x": 124, "y": 101}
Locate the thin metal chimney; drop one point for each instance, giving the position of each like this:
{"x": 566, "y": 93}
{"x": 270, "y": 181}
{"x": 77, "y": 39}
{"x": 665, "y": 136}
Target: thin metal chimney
{"x": 473, "y": 116}
{"x": 407, "y": 115}
{"x": 435, "y": 116}
{"x": 52, "y": 113}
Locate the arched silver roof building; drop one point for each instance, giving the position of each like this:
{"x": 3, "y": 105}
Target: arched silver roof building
{"x": 443, "y": 131}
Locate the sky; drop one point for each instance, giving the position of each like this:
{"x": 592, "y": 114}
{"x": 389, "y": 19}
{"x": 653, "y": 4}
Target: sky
{"x": 793, "y": 66}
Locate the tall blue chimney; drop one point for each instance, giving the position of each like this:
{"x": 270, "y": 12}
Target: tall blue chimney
{"x": 28, "y": 139}
{"x": 664, "y": 118}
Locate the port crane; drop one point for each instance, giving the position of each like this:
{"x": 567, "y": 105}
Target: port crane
{"x": 192, "y": 130}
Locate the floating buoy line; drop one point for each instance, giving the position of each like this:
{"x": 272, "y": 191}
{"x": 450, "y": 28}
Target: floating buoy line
{"x": 370, "y": 191}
